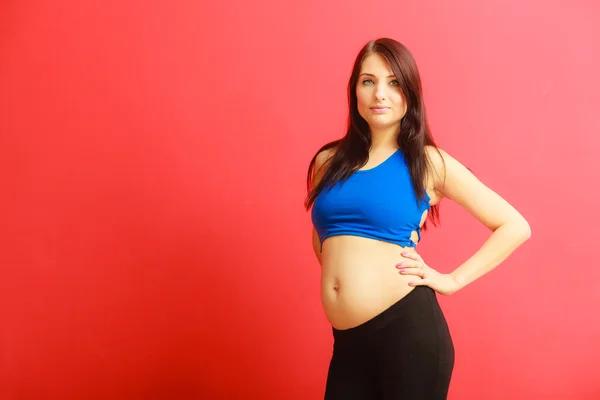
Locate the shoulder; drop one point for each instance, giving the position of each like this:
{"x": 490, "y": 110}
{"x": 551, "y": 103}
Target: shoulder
{"x": 435, "y": 156}
{"x": 435, "y": 159}
{"x": 446, "y": 175}
{"x": 450, "y": 178}
{"x": 322, "y": 158}
{"x": 457, "y": 182}
{"x": 444, "y": 168}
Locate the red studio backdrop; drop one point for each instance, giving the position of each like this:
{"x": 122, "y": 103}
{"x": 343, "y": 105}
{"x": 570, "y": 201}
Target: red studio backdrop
{"x": 153, "y": 158}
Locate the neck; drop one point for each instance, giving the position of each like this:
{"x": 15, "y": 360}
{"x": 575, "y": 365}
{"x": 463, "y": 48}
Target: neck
{"x": 384, "y": 137}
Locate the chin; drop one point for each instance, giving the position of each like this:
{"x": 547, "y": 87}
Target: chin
{"x": 381, "y": 123}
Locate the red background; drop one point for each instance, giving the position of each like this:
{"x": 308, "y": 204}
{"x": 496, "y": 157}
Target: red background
{"x": 153, "y": 243}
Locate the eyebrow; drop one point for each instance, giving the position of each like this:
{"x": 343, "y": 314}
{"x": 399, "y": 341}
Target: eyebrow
{"x": 366, "y": 73}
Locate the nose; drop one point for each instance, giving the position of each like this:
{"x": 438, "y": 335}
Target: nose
{"x": 380, "y": 92}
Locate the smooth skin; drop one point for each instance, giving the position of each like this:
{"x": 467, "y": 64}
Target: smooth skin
{"x": 509, "y": 228}
{"x": 362, "y": 277}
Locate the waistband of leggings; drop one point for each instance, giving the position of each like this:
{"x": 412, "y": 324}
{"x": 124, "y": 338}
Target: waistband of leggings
{"x": 418, "y": 294}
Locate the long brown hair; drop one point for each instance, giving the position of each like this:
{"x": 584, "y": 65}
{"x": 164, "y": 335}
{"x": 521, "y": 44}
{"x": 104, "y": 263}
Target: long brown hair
{"x": 352, "y": 151}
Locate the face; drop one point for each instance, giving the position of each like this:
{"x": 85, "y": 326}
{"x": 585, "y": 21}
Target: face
{"x": 379, "y": 98}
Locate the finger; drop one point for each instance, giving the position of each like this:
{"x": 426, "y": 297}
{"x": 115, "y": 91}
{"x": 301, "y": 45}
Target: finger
{"x": 410, "y": 264}
{"x": 416, "y": 257}
{"x": 413, "y": 271}
{"x": 422, "y": 282}
{"x": 410, "y": 254}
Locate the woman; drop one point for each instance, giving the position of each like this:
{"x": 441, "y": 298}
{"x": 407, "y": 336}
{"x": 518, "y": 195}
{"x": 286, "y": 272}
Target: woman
{"x": 371, "y": 193}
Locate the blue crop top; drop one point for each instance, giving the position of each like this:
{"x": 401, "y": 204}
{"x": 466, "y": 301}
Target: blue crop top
{"x": 378, "y": 203}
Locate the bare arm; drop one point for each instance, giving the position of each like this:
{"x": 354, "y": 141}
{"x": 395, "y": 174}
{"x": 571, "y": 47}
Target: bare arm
{"x": 316, "y": 245}
{"x": 509, "y": 228}
{"x": 322, "y": 157}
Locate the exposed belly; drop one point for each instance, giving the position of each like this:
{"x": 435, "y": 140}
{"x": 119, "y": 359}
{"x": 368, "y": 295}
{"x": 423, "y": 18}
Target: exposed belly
{"x": 359, "y": 279}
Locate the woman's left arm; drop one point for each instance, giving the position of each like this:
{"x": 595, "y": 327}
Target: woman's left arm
{"x": 510, "y": 229}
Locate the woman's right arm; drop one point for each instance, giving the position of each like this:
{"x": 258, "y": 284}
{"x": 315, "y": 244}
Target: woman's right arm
{"x": 316, "y": 245}
{"x": 320, "y": 160}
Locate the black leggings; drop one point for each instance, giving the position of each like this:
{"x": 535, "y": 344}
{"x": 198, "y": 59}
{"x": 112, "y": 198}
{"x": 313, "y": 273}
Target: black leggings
{"x": 406, "y": 352}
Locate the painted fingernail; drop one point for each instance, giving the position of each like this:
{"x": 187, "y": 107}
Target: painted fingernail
{"x": 411, "y": 283}
{"x": 398, "y": 265}
{"x": 402, "y": 270}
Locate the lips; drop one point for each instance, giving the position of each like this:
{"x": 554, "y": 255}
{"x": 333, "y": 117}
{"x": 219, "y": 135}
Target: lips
{"x": 379, "y": 109}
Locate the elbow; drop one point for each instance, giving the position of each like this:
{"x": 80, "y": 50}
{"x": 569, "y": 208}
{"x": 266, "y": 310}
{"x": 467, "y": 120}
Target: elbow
{"x": 517, "y": 228}
{"x": 524, "y": 229}
{"x": 528, "y": 230}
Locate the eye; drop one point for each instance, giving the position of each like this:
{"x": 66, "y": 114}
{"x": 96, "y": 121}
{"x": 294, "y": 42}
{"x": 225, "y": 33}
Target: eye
{"x": 394, "y": 82}
{"x": 367, "y": 81}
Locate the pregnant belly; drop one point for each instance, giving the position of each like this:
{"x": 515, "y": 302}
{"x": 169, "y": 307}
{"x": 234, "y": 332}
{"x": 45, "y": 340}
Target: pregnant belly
{"x": 360, "y": 280}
